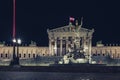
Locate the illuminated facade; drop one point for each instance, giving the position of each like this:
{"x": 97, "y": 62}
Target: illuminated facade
{"x": 25, "y": 52}
{"x": 112, "y": 50}
{"x": 60, "y": 41}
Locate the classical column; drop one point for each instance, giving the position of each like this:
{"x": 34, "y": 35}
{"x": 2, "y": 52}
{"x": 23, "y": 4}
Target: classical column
{"x": 90, "y": 44}
{"x": 61, "y": 46}
{"x": 66, "y": 44}
{"x": 80, "y": 42}
{"x": 84, "y": 44}
{"x": 115, "y": 53}
{"x": 50, "y": 47}
{"x": 55, "y": 47}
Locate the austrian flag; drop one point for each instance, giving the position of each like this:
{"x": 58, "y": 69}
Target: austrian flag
{"x": 72, "y": 19}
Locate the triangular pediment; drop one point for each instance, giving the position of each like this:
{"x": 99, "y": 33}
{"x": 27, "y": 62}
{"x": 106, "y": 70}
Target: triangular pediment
{"x": 61, "y": 29}
{"x": 69, "y": 28}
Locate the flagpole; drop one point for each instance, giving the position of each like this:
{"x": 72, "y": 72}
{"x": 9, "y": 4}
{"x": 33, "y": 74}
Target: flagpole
{"x": 14, "y": 30}
{"x": 15, "y": 60}
{"x": 14, "y": 19}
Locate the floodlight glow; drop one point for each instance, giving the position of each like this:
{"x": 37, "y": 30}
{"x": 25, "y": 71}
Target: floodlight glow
{"x": 14, "y": 40}
{"x": 19, "y": 41}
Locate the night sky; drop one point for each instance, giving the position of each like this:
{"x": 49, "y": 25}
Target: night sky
{"x": 33, "y": 17}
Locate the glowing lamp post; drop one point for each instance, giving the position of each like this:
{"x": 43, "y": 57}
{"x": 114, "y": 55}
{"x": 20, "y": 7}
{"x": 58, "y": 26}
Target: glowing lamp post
{"x": 14, "y": 40}
{"x": 15, "y": 60}
{"x": 14, "y": 44}
{"x": 18, "y": 43}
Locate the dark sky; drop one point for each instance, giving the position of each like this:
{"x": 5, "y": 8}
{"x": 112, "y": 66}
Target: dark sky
{"x": 33, "y": 17}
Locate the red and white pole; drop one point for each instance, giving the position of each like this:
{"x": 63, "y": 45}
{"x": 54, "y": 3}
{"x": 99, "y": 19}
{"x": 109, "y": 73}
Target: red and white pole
{"x": 14, "y": 20}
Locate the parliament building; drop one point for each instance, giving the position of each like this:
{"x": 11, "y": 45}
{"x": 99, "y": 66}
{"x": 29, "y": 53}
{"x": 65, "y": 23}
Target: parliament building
{"x": 60, "y": 41}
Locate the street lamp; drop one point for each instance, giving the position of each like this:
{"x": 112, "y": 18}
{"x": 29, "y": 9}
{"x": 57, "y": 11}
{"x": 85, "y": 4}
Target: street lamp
{"x": 14, "y": 43}
{"x": 14, "y": 40}
{"x": 18, "y": 43}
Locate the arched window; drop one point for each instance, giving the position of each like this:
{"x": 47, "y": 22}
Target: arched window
{"x": 33, "y": 55}
{"x": 29, "y": 55}
{"x": 103, "y": 54}
{"x": 113, "y": 56}
{"x": 6, "y": 55}
{"x": 43, "y": 54}
{"x": 94, "y": 54}
{"x": 1, "y": 55}
{"x": 118, "y": 55}
{"x": 98, "y": 54}
{"x": 24, "y": 55}
{"x": 19, "y": 55}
